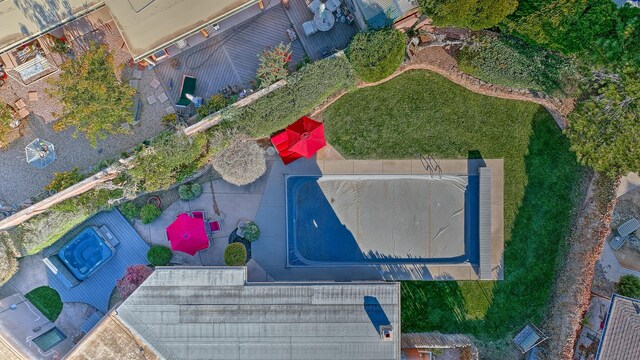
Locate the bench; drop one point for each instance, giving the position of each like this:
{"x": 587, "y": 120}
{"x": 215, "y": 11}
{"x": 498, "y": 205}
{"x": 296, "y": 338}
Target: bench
{"x": 104, "y": 230}
{"x": 60, "y": 271}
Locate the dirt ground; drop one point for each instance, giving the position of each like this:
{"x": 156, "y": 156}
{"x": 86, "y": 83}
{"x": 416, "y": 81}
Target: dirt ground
{"x": 571, "y": 294}
{"x": 628, "y": 206}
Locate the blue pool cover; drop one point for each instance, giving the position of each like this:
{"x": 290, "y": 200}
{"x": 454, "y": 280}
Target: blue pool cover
{"x": 381, "y": 219}
{"x": 85, "y": 253}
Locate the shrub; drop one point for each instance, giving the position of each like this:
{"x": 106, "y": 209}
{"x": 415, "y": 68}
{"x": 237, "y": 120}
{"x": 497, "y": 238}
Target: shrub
{"x": 241, "y": 162}
{"x": 475, "y": 14}
{"x": 169, "y": 158}
{"x": 510, "y": 62}
{"x": 130, "y": 210}
{"x": 6, "y": 115}
{"x": 170, "y": 120}
{"x": 251, "y": 231}
{"x": 159, "y": 255}
{"x": 235, "y": 255}
{"x": 376, "y": 54}
{"x": 47, "y": 300}
{"x": 273, "y": 64}
{"x": 8, "y": 262}
{"x": 149, "y": 213}
{"x": 629, "y": 285}
{"x": 39, "y": 232}
{"x": 62, "y": 180}
{"x": 215, "y": 103}
{"x": 305, "y": 90}
{"x": 133, "y": 277}
{"x": 189, "y": 191}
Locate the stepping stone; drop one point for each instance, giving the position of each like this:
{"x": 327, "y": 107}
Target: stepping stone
{"x": 134, "y": 83}
{"x": 137, "y": 74}
{"x": 154, "y": 83}
{"x": 163, "y": 97}
{"x": 152, "y": 99}
{"x": 169, "y": 110}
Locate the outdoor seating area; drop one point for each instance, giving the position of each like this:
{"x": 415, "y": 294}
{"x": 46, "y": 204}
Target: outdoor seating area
{"x": 192, "y": 232}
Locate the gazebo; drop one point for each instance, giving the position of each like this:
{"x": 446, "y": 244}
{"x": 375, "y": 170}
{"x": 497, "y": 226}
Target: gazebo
{"x": 40, "y": 153}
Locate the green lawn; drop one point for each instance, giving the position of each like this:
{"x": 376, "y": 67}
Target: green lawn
{"x": 420, "y": 113}
{"x": 47, "y": 300}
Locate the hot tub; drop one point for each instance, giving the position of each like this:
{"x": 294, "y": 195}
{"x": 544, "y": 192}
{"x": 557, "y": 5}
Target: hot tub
{"x": 85, "y": 253}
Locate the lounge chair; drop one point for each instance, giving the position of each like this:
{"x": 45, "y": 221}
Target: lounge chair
{"x": 198, "y": 214}
{"x": 621, "y": 234}
{"x": 188, "y": 87}
{"x": 309, "y": 28}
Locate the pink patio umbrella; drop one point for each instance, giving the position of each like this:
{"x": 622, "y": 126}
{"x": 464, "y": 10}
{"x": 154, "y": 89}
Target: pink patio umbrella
{"x": 188, "y": 234}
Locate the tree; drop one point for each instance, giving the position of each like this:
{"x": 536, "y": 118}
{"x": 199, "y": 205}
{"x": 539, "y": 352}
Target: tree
{"x": 472, "y": 14}
{"x": 134, "y": 276}
{"x": 94, "y": 101}
{"x": 604, "y": 129}
{"x": 629, "y": 285}
{"x": 168, "y": 159}
{"x": 273, "y": 64}
{"x": 241, "y": 162}
{"x": 376, "y": 54}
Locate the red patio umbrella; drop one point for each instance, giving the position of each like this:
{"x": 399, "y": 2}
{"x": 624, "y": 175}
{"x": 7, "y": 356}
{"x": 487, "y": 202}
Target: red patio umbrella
{"x": 306, "y": 136}
{"x": 302, "y": 138}
{"x": 187, "y": 234}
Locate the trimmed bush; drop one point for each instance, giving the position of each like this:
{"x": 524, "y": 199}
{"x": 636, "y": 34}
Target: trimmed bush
{"x": 133, "y": 277}
{"x": 215, "y": 103}
{"x": 241, "y": 162}
{"x": 130, "y": 210}
{"x": 629, "y": 285}
{"x": 159, "y": 255}
{"x": 149, "y": 213}
{"x": 376, "y": 54}
{"x": 189, "y": 191}
{"x": 235, "y": 255}
{"x": 251, "y": 231}
{"x": 305, "y": 90}
{"x": 47, "y": 300}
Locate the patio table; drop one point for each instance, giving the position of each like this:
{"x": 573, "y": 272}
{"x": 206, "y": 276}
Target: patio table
{"x": 324, "y": 21}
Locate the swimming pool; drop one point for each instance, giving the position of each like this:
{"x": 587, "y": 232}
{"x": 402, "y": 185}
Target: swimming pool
{"x": 85, "y": 253}
{"x": 382, "y": 219}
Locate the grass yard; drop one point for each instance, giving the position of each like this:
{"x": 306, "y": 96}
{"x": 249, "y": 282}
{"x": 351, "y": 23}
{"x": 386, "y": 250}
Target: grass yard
{"x": 47, "y": 300}
{"x": 423, "y": 113}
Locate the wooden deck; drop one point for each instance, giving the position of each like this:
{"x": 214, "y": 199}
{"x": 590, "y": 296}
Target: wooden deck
{"x": 230, "y": 58}
{"x": 337, "y": 38}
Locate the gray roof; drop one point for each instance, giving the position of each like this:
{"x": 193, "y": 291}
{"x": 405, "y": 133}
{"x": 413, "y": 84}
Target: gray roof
{"x": 621, "y": 335}
{"x": 211, "y": 313}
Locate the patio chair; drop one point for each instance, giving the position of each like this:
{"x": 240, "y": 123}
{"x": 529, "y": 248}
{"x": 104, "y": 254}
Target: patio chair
{"x": 332, "y": 5}
{"x": 314, "y": 6}
{"x": 188, "y": 87}
{"x": 198, "y": 214}
{"x": 214, "y": 226}
{"x": 621, "y": 234}
{"x": 309, "y": 28}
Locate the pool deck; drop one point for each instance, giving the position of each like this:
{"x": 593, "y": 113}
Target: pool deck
{"x": 96, "y": 289}
{"x": 270, "y": 250}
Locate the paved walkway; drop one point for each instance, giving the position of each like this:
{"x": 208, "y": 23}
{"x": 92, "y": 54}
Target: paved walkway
{"x": 611, "y": 267}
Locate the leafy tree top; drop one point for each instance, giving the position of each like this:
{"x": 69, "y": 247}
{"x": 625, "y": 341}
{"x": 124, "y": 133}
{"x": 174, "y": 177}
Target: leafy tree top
{"x": 605, "y": 127}
{"x": 472, "y": 14}
{"x": 94, "y": 101}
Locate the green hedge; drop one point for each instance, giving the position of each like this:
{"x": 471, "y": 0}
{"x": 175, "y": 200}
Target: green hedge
{"x": 149, "y": 213}
{"x": 189, "y": 191}
{"x": 305, "y": 90}
{"x": 235, "y": 255}
{"x": 130, "y": 210}
{"x": 159, "y": 255}
{"x": 376, "y": 54}
{"x": 47, "y": 300}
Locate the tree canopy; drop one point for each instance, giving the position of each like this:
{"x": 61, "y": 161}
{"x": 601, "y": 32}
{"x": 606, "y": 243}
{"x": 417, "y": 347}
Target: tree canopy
{"x": 94, "y": 101}
{"x": 472, "y": 14}
{"x": 604, "y": 129}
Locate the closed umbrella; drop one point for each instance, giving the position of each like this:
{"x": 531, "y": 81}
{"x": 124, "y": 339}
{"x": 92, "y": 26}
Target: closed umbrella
{"x": 188, "y": 234}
